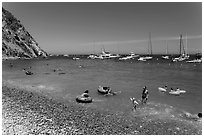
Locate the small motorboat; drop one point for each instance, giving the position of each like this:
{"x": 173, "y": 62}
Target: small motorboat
{"x": 162, "y": 89}
{"x": 82, "y": 99}
{"x": 104, "y": 90}
{"x": 174, "y": 92}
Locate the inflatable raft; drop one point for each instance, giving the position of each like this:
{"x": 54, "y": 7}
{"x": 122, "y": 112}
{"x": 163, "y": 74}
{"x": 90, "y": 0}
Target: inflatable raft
{"x": 104, "y": 90}
{"x": 173, "y": 92}
{"x": 81, "y": 99}
{"x": 161, "y": 89}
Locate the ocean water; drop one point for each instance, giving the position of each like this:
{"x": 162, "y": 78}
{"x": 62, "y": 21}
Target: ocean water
{"x": 72, "y": 78}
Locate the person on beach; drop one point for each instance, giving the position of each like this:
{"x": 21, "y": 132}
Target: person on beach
{"x": 85, "y": 94}
{"x": 134, "y": 102}
{"x": 145, "y": 95}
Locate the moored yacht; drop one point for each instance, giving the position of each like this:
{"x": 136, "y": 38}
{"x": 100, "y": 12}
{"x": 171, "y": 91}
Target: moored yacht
{"x": 130, "y": 56}
{"x": 92, "y": 56}
{"x": 107, "y": 55}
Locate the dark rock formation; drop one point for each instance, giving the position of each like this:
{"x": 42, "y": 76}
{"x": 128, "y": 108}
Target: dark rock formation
{"x": 16, "y": 41}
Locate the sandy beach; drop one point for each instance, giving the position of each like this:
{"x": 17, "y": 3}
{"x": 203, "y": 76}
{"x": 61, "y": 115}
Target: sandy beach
{"x": 26, "y": 112}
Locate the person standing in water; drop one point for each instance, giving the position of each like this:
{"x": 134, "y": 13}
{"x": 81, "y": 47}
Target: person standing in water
{"x": 145, "y": 95}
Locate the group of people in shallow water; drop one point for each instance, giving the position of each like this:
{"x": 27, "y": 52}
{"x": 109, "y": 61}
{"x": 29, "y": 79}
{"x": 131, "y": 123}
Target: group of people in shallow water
{"x": 144, "y": 97}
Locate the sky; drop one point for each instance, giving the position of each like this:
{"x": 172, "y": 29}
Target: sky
{"x": 119, "y": 27}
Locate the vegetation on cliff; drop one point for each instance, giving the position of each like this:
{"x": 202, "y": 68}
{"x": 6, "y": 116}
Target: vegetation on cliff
{"x": 16, "y": 41}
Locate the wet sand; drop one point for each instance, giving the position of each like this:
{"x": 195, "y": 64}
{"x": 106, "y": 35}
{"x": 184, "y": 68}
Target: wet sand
{"x": 26, "y": 111}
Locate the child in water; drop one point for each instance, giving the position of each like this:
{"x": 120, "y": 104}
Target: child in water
{"x": 134, "y": 102}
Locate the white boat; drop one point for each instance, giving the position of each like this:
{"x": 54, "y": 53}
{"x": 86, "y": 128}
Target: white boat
{"x": 162, "y": 89}
{"x": 65, "y": 55}
{"x": 130, "y": 56}
{"x": 142, "y": 59}
{"x": 149, "y": 57}
{"x": 92, "y": 56}
{"x": 174, "y": 92}
{"x": 114, "y": 56}
{"x": 195, "y": 61}
{"x": 183, "y": 56}
{"x": 75, "y": 58}
{"x": 145, "y": 58}
{"x": 166, "y": 57}
{"x": 107, "y": 55}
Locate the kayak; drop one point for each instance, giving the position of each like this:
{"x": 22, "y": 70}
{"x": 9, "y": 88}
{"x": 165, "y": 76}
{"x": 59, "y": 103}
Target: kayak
{"x": 81, "y": 99}
{"x": 162, "y": 89}
{"x": 104, "y": 90}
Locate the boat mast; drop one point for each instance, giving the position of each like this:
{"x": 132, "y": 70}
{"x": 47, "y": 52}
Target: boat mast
{"x": 183, "y": 48}
{"x": 150, "y": 45}
{"x": 167, "y": 47}
{"x": 186, "y": 43}
{"x": 94, "y": 47}
{"x": 181, "y": 45}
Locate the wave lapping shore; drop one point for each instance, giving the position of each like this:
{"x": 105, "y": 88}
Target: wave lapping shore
{"x": 26, "y": 112}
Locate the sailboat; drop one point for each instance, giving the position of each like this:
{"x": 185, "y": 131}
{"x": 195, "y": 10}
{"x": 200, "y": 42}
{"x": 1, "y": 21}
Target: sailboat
{"x": 186, "y": 54}
{"x": 166, "y": 57}
{"x": 183, "y": 56}
{"x": 149, "y": 51}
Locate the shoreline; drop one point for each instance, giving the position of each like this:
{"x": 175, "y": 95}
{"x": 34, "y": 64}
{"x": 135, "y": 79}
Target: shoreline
{"x": 28, "y": 112}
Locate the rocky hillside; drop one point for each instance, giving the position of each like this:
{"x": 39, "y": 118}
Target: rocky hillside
{"x": 16, "y": 41}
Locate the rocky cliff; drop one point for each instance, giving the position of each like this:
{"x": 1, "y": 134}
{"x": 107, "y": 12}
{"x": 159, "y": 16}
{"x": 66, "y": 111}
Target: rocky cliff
{"x": 16, "y": 41}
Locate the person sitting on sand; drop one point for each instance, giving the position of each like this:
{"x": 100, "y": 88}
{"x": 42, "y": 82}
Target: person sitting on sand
{"x": 85, "y": 94}
{"x": 145, "y": 95}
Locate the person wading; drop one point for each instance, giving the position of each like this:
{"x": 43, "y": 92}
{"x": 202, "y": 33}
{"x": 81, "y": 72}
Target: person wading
{"x": 145, "y": 95}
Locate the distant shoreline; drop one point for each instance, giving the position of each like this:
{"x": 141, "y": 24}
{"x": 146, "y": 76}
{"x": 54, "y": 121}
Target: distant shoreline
{"x": 28, "y": 112}
{"x": 86, "y": 55}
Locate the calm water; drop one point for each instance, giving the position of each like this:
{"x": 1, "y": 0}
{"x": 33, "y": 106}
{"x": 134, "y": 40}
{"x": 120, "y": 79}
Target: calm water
{"x": 126, "y": 76}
